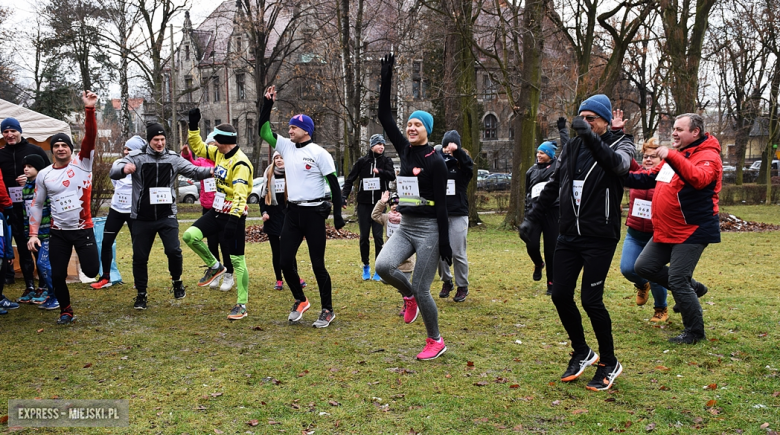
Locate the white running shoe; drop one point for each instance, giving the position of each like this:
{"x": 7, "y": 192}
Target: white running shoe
{"x": 227, "y": 282}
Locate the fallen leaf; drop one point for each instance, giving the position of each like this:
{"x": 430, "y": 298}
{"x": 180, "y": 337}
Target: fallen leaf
{"x": 556, "y": 402}
{"x": 217, "y": 431}
{"x": 4, "y": 419}
{"x": 663, "y": 368}
{"x": 303, "y": 373}
{"x": 663, "y": 388}
{"x": 714, "y": 411}
{"x": 480, "y": 383}
{"x": 650, "y": 427}
{"x": 256, "y": 328}
{"x": 711, "y": 403}
{"x": 273, "y": 422}
{"x": 609, "y": 399}
{"x": 698, "y": 420}
{"x": 764, "y": 426}
{"x": 469, "y": 363}
{"x": 579, "y": 411}
{"x": 200, "y": 408}
{"x": 712, "y": 386}
{"x": 763, "y": 334}
{"x": 216, "y": 394}
{"x": 551, "y": 384}
{"x": 514, "y": 386}
{"x": 295, "y": 406}
{"x": 628, "y": 424}
{"x": 776, "y": 393}
{"x": 333, "y": 403}
{"x": 253, "y": 423}
{"x": 40, "y": 330}
{"x": 88, "y": 365}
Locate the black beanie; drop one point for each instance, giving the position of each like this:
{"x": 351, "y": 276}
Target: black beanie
{"x": 35, "y": 161}
{"x": 450, "y": 136}
{"x": 225, "y": 134}
{"x": 153, "y": 130}
{"x": 61, "y": 137}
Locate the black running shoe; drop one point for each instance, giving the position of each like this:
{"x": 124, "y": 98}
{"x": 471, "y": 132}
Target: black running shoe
{"x": 446, "y": 288}
{"x": 700, "y": 289}
{"x": 140, "y": 301}
{"x": 538, "y": 272}
{"x": 577, "y": 364}
{"x": 605, "y": 377}
{"x": 686, "y": 337}
{"x": 66, "y": 319}
{"x": 461, "y": 294}
{"x": 179, "y": 290}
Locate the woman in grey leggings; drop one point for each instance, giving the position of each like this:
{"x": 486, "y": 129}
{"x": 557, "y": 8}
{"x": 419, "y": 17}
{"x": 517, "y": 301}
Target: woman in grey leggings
{"x": 424, "y": 229}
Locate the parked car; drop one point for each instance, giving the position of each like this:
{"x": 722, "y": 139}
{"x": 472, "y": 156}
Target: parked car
{"x": 257, "y": 190}
{"x": 750, "y": 174}
{"x": 497, "y": 182}
{"x": 189, "y": 190}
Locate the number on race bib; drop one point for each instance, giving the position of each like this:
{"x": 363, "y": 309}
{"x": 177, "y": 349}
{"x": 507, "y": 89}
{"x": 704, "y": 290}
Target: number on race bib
{"x": 537, "y": 189}
{"x": 642, "y": 209}
{"x": 371, "y": 184}
{"x": 665, "y": 174}
{"x": 16, "y": 194}
{"x": 210, "y": 185}
{"x": 577, "y": 190}
{"x": 391, "y": 228}
{"x": 65, "y": 202}
{"x": 122, "y": 199}
{"x": 408, "y": 186}
{"x": 450, "y": 187}
{"x": 219, "y": 201}
{"x": 279, "y": 184}
{"x": 160, "y": 195}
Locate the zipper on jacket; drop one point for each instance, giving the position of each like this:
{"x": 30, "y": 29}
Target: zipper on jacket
{"x": 606, "y": 206}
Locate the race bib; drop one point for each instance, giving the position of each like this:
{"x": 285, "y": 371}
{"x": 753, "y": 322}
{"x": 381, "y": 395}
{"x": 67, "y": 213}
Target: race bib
{"x": 16, "y": 194}
{"x": 279, "y": 184}
{"x": 641, "y": 209}
{"x": 219, "y": 201}
{"x": 408, "y": 187}
{"x": 209, "y": 185}
{"x": 537, "y": 189}
{"x": 28, "y": 207}
{"x": 577, "y": 190}
{"x": 65, "y": 202}
{"x": 665, "y": 174}
{"x": 391, "y": 228}
{"x": 371, "y": 184}
{"x": 450, "y": 187}
{"x": 122, "y": 199}
{"x": 160, "y": 195}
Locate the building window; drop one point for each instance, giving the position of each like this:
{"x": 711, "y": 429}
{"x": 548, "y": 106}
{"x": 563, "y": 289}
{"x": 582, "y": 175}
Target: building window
{"x": 235, "y": 123}
{"x": 215, "y": 84}
{"x": 419, "y": 86}
{"x": 217, "y": 123}
{"x": 511, "y": 132}
{"x": 187, "y": 52}
{"x": 491, "y": 128}
{"x": 241, "y": 86}
{"x": 489, "y": 87}
{"x": 250, "y": 130}
{"x": 188, "y": 85}
{"x": 238, "y": 44}
{"x": 208, "y": 127}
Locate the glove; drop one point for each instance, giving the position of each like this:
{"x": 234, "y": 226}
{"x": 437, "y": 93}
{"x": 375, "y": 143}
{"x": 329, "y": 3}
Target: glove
{"x": 445, "y": 252}
{"x": 561, "y": 123}
{"x": 338, "y": 221}
{"x": 525, "y": 229}
{"x": 8, "y": 214}
{"x": 387, "y": 62}
{"x": 194, "y": 119}
{"x": 581, "y": 126}
{"x": 230, "y": 227}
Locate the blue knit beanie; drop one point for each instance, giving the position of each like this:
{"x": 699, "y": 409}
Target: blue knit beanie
{"x": 304, "y": 123}
{"x": 10, "y": 123}
{"x": 135, "y": 143}
{"x": 598, "y": 104}
{"x": 548, "y": 148}
{"x": 425, "y": 117}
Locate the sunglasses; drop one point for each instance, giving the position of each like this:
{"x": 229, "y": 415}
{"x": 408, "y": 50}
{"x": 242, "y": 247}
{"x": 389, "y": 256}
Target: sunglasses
{"x": 591, "y": 118}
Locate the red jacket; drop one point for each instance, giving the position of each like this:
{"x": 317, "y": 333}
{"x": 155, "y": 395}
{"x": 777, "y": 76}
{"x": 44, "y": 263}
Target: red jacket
{"x": 685, "y": 210}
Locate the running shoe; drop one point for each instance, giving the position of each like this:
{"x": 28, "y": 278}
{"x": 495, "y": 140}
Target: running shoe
{"x": 303, "y": 283}
{"x": 411, "y": 310}
{"x": 140, "y": 301}
{"x": 538, "y": 268}
{"x": 642, "y": 293}
{"x": 238, "y": 312}
{"x": 446, "y": 288}
{"x": 51, "y": 304}
{"x": 577, "y": 364}
{"x": 26, "y": 297}
{"x": 366, "y": 272}
{"x": 216, "y": 283}
{"x": 41, "y": 295}
{"x": 461, "y": 294}
{"x": 686, "y": 337}
{"x": 376, "y": 277}
{"x": 605, "y": 377}
{"x": 549, "y": 288}
{"x": 433, "y": 349}
{"x": 326, "y": 316}
{"x": 179, "y": 291}
{"x": 2, "y": 311}
{"x": 279, "y": 285}
{"x": 66, "y": 319}
{"x": 227, "y": 282}
{"x": 211, "y": 274}
{"x": 298, "y": 308}
{"x": 103, "y": 283}
{"x": 7, "y": 304}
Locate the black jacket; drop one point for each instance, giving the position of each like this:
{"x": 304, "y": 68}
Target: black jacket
{"x": 364, "y": 168}
{"x": 460, "y": 168}
{"x": 602, "y": 163}
{"x": 11, "y": 157}
{"x": 538, "y": 173}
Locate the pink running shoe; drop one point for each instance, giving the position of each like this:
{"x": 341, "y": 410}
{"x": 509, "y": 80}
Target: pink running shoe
{"x": 279, "y": 285}
{"x": 411, "y": 310}
{"x": 433, "y": 349}
{"x": 303, "y": 283}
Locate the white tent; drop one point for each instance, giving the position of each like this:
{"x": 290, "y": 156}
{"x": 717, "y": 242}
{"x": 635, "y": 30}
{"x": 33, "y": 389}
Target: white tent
{"x": 34, "y": 125}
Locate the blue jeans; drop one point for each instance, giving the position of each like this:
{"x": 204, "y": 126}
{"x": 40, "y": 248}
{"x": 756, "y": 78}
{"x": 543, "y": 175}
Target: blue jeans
{"x": 632, "y": 247}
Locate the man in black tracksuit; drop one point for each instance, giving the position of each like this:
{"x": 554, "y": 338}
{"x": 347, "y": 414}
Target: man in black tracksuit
{"x": 373, "y": 171}
{"x": 590, "y": 175}
{"x": 11, "y": 156}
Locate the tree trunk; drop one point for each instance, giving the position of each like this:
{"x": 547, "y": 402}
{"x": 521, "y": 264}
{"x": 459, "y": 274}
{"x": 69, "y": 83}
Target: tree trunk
{"x": 527, "y": 110}
{"x": 774, "y": 128}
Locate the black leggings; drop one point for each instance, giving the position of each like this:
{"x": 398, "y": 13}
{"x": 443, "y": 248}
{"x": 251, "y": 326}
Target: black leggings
{"x": 548, "y": 228}
{"x": 114, "y": 222}
{"x": 593, "y": 257}
{"x": 367, "y": 226}
{"x": 214, "y": 244}
{"x": 61, "y": 244}
{"x": 300, "y": 222}
{"x": 276, "y": 253}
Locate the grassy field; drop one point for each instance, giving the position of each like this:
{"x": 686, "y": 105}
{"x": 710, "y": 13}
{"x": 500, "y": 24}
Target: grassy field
{"x": 186, "y": 369}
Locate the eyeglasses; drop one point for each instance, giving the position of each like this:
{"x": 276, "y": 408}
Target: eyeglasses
{"x": 591, "y": 118}
{"x": 650, "y": 156}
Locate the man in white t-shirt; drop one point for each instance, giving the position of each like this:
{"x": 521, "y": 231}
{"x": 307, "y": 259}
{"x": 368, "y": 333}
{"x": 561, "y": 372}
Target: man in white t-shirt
{"x": 68, "y": 183}
{"x": 310, "y": 174}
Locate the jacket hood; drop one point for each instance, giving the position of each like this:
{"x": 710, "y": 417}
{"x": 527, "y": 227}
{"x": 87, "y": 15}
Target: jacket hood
{"x": 709, "y": 143}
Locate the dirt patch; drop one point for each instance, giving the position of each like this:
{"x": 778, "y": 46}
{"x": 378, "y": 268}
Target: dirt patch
{"x": 732, "y": 224}
{"x": 255, "y": 234}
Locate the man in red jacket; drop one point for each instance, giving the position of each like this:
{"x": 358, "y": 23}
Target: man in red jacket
{"x": 685, "y": 217}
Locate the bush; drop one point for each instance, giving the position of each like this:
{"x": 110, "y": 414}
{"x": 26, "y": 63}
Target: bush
{"x": 747, "y": 194}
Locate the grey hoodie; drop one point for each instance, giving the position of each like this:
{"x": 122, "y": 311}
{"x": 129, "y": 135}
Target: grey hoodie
{"x": 155, "y": 169}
